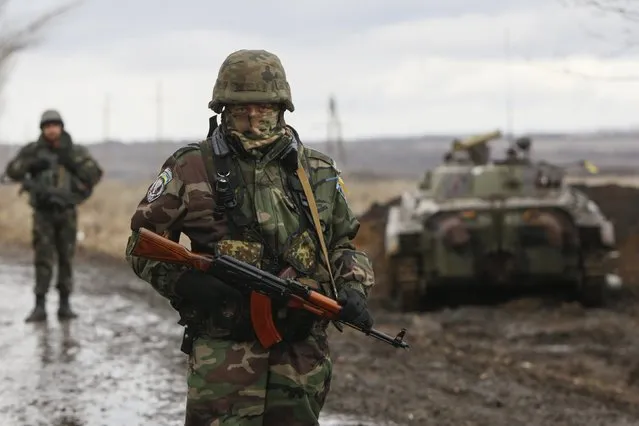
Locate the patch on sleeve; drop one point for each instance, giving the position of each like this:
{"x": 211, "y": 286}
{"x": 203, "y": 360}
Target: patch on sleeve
{"x": 341, "y": 187}
{"x": 159, "y": 186}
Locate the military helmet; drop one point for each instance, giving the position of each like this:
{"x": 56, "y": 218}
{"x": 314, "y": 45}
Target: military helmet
{"x": 51, "y": 116}
{"x": 251, "y": 76}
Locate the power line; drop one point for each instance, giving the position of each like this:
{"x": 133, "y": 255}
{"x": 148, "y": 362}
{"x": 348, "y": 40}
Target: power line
{"x": 334, "y": 138}
{"x": 509, "y": 88}
{"x": 629, "y": 78}
{"x": 613, "y": 78}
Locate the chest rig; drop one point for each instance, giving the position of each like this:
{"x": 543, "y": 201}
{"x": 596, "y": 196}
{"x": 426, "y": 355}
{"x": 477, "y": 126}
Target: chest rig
{"x": 230, "y": 191}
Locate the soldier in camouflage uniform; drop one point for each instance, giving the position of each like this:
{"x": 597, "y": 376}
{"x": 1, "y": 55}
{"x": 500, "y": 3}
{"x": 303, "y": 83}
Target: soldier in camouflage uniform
{"x": 232, "y": 379}
{"x": 58, "y": 176}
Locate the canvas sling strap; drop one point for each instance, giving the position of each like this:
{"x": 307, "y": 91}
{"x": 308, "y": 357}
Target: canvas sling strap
{"x": 308, "y": 192}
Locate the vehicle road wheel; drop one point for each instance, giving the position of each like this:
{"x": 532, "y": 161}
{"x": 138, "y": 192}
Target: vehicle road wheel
{"x": 404, "y": 294}
{"x": 407, "y": 301}
{"x": 593, "y": 292}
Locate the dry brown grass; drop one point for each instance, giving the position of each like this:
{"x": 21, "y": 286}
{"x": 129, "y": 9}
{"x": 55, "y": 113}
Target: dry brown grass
{"x": 362, "y": 192}
{"x": 104, "y": 218}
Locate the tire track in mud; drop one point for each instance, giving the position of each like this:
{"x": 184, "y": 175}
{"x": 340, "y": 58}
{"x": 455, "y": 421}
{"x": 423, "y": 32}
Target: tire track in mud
{"x": 590, "y": 354}
{"x": 486, "y": 366}
{"x": 119, "y": 363}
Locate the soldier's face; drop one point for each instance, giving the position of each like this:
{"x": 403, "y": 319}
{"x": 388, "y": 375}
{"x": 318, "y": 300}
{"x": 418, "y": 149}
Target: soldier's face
{"x": 256, "y": 119}
{"x": 52, "y": 131}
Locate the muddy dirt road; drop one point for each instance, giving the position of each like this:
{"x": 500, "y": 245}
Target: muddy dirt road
{"x": 528, "y": 362}
{"x": 119, "y": 364}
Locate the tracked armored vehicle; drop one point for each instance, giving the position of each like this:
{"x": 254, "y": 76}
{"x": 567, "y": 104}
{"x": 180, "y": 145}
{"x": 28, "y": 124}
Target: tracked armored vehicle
{"x": 474, "y": 222}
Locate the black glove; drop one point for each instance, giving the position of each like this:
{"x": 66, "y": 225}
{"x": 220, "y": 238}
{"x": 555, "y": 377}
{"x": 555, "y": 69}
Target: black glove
{"x": 37, "y": 165}
{"x": 204, "y": 290}
{"x": 354, "y": 309}
{"x": 43, "y": 199}
{"x": 64, "y": 158}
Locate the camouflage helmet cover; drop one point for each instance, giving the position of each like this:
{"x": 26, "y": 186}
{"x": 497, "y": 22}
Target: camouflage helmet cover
{"x": 51, "y": 116}
{"x": 251, "y": 76}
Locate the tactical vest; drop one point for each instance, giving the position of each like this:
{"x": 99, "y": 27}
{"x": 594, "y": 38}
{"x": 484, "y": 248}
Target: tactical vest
{"x": 230, "y": 192}
{"x": 56, "y": 176}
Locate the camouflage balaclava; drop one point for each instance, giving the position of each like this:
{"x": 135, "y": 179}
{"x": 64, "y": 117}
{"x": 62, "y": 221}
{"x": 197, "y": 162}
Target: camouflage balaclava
{"x": 254, "y": 126}
{"x": 252, "y": 80}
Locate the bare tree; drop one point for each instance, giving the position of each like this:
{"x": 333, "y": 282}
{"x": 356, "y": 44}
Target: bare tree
{"x": 617, "y": 36}
{"x": 626, "y": 9}
{"x": 624, "y": 12}
{"x": 15, "y": 38}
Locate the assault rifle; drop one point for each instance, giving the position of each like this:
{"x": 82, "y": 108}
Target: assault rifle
{"x": 50, "y": 195}
{"x": 43, "y": 193}
{"x": 263, "y": 287}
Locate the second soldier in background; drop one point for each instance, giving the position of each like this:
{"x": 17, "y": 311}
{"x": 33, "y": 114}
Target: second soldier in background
{"x": 58, "y": 175}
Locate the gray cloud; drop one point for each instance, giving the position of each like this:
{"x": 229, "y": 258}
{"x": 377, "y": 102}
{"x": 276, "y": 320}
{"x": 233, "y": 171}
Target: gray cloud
{"x": 559, "y": 30}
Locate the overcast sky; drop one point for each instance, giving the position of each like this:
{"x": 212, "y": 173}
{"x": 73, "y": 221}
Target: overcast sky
{"x": 401, "y": 67}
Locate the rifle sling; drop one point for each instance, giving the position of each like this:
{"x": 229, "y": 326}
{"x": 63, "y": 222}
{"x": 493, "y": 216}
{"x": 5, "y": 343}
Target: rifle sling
{"x": 306, "y": 185}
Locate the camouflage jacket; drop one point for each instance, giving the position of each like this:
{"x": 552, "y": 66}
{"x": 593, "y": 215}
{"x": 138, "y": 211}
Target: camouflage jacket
{"x": 77, "y": 178}
{"x": 182, "y": 199}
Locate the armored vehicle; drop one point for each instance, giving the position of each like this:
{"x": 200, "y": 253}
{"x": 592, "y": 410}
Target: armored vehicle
{"x": 475, "y": 222}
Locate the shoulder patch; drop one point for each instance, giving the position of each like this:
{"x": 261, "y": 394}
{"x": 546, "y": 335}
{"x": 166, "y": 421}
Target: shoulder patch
{"x": 158, "y": 187}
{"x": 317, "y": 155}
{"x": 341, "y": 187}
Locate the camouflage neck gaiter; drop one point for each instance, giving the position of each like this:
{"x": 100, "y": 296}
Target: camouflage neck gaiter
{"x": 254, "y": 131}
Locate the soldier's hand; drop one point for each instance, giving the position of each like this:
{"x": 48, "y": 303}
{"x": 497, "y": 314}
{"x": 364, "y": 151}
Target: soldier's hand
{"x": 203, "y": 289}
{"x": 44, "y": 198}
{"x": 37, "y": 165}
{"x": 64, "y": 158}
{"x": 354, "y": 308}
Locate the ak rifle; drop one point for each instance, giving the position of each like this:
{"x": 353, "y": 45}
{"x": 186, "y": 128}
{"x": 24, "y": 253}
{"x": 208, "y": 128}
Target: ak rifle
{"x": 262, "y": 285}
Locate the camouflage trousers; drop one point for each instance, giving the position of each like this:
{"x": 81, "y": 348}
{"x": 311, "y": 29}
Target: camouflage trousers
{"x": 243, "y": 384}
{"x": 54, "y": 238}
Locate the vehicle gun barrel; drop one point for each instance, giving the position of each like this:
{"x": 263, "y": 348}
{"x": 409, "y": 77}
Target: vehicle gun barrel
{"x": 475, "y": 140}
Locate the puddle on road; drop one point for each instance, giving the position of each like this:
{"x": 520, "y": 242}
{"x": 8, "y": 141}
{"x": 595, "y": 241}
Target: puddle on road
{"x": 118, "y": 364}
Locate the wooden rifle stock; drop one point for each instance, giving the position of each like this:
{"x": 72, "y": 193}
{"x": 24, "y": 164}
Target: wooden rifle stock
{"x": 152, "y": 246}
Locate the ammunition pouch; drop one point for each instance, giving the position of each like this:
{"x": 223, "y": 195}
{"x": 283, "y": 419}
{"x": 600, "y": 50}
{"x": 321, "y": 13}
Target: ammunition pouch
{"x": 301, "y": 253}
{"x": 246, "y": 251}
{"x": 233, "y": 320}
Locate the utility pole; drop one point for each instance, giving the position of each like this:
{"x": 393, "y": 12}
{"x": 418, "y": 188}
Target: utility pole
{"x": 159, "y": 112}
{"x": 106, "y": 118}
{"x": 334, "y": 140}
{"x": 509, "y": 90}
